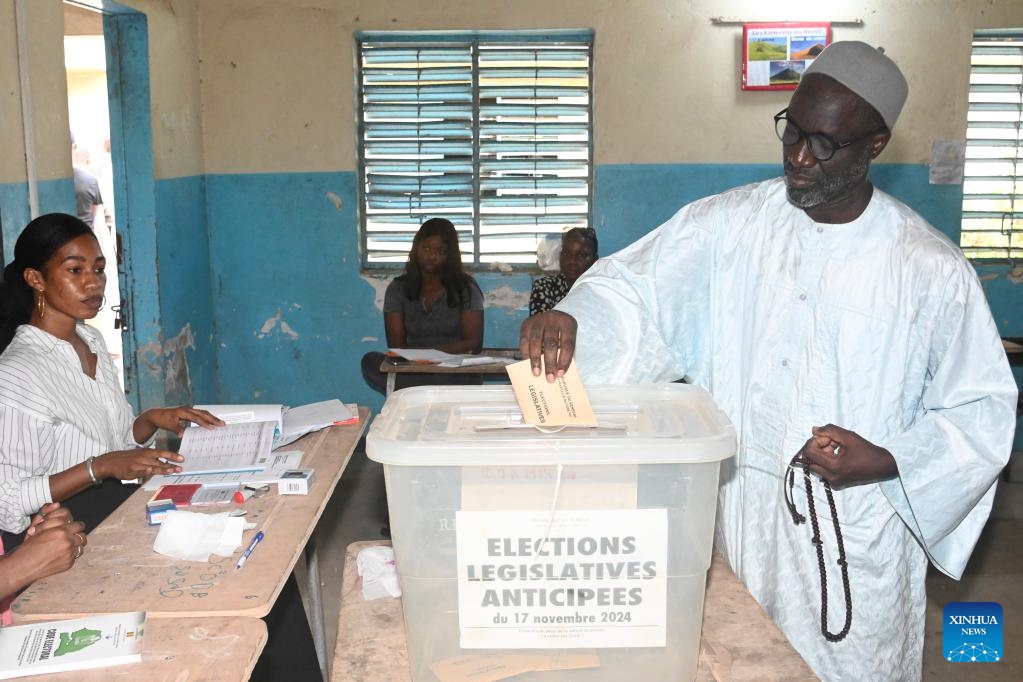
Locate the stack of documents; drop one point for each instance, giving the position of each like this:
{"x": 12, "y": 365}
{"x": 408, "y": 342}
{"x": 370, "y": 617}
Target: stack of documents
{"x": 290, "y": 423}
{"x": 241, "y": 451}
{"x": 301, "y": 420}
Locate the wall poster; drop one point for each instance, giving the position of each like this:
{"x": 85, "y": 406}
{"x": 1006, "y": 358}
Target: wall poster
{"x": 774, "y": 56}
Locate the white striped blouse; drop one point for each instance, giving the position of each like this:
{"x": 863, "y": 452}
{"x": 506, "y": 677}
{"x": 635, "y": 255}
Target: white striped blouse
{"x": 53, "y": 416}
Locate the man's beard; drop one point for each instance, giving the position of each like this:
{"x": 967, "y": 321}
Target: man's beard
{"x": 828, "y": 188}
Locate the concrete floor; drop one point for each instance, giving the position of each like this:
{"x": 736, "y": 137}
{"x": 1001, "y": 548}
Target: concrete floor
{"x": 358, "y": 511}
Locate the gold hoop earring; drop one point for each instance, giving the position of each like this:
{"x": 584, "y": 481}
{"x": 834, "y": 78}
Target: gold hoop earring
{"x": 41, "y": 305}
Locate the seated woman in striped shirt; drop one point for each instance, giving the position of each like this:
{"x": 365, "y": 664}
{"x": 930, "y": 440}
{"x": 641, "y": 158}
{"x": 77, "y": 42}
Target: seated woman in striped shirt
{"x": 67, "y": 433}
{"x": 578, "y": 253}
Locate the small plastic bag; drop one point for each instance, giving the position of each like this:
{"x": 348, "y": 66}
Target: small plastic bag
{"x": 379, "y": 577}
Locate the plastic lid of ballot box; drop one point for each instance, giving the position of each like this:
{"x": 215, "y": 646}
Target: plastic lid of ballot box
{"x": 585, "y": 549}
{"x": 467, "y": 426}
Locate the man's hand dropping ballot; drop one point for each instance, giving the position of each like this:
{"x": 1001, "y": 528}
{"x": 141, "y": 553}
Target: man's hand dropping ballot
{"x": 551, "y": 405}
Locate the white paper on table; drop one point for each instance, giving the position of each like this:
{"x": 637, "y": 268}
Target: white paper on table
{"x": 470, "y": 360}
{"x": 300, "y": 420}
{"x": 193, "y": 537}
{"x": 422, "y": 354}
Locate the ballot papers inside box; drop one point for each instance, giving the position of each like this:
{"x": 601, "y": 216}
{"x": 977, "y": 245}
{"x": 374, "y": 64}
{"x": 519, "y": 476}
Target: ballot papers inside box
{"x": 587, "y": 547}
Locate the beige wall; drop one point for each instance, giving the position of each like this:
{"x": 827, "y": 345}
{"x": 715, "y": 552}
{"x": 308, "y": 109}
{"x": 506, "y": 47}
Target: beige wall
{"x": 174, "y": 61}
{"x": 277, "y": 78}
{"x": 12, "y": 161}
{"x": 45, "y": 60}
{"x": 243, "y": 86}
{"x": 174, "y": 83}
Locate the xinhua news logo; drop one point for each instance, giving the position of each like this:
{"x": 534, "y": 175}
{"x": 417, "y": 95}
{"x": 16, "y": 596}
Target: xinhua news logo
{"x": 972, "y": 632}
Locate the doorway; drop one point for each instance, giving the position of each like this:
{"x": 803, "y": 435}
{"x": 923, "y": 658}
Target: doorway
{"x": 89, "y": 118}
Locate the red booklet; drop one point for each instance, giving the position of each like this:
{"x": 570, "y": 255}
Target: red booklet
{"x": 178, "y": 493}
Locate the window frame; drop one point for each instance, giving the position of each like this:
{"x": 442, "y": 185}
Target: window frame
{"x": 474, "y": 262}
{"x": 977, "y": 206}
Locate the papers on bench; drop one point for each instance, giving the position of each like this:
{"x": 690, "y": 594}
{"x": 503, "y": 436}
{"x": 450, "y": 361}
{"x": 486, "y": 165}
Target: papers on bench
{"x": 442, "y": 359}
{"x": 471, "y": 360}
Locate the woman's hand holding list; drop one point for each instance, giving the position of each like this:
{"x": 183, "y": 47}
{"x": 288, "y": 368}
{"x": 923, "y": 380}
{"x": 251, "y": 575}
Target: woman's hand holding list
{"x": 136, "y": 463}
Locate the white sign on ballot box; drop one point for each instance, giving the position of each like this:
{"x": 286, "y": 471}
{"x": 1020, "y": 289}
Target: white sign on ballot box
{"x": 582, "y": 578}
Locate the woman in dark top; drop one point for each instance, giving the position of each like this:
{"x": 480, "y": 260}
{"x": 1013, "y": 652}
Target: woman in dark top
{"x": 578, "y": 253}
{"x": 435, "y": 304}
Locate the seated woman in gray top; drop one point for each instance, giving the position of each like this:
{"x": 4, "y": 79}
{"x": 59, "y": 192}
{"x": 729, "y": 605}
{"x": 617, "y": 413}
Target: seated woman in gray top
{"x": 435, "y": 304}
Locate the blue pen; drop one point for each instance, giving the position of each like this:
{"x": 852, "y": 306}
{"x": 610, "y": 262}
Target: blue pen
{"x": 248, "y": 550}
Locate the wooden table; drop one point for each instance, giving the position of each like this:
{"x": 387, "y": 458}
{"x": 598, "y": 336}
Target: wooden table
{"x": 119, "y": 570}
{"x": 739, "y": 641}
{"x": 179, "y": 649}
{"x": 392, "y": 371}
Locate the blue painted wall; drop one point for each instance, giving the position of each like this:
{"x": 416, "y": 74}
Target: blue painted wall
{"x": 291, "y": 307}
{"x": 55, "y": 196}
{"x": 183, "y": 252}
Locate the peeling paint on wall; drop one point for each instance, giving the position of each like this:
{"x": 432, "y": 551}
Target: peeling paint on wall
{"x": 150, "y": 357}
{"x": 506, "y": 297}
{"x": 272, "y": 322}
{"x": 1015, "y": 275}
{"x": 177, "y": 380}
{"x": 286, "y": 329}
{"x": 370, "y": 339}
{"x": 379, "y": 285}
{"x": 336, "y": 200}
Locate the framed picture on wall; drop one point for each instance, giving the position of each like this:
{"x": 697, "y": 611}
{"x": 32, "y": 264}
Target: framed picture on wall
{"x": 774, "y": 56}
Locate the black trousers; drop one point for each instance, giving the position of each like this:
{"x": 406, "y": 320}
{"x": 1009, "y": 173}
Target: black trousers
{"x": 290, "y": 654}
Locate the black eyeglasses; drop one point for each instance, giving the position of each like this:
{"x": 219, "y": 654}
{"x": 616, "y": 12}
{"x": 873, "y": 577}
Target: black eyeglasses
{"x": 821, "y": 146}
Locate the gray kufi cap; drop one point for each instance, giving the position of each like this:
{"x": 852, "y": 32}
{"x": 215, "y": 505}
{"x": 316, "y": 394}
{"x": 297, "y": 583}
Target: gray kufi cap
{"x": 866, "y": 71}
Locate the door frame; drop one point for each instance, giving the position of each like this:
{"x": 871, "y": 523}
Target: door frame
{"x": 126, "y": 38}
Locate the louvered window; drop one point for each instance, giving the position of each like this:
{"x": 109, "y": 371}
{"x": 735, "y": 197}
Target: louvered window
{"x": 492, "y": 131}
{"x": 993, "y": 182}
